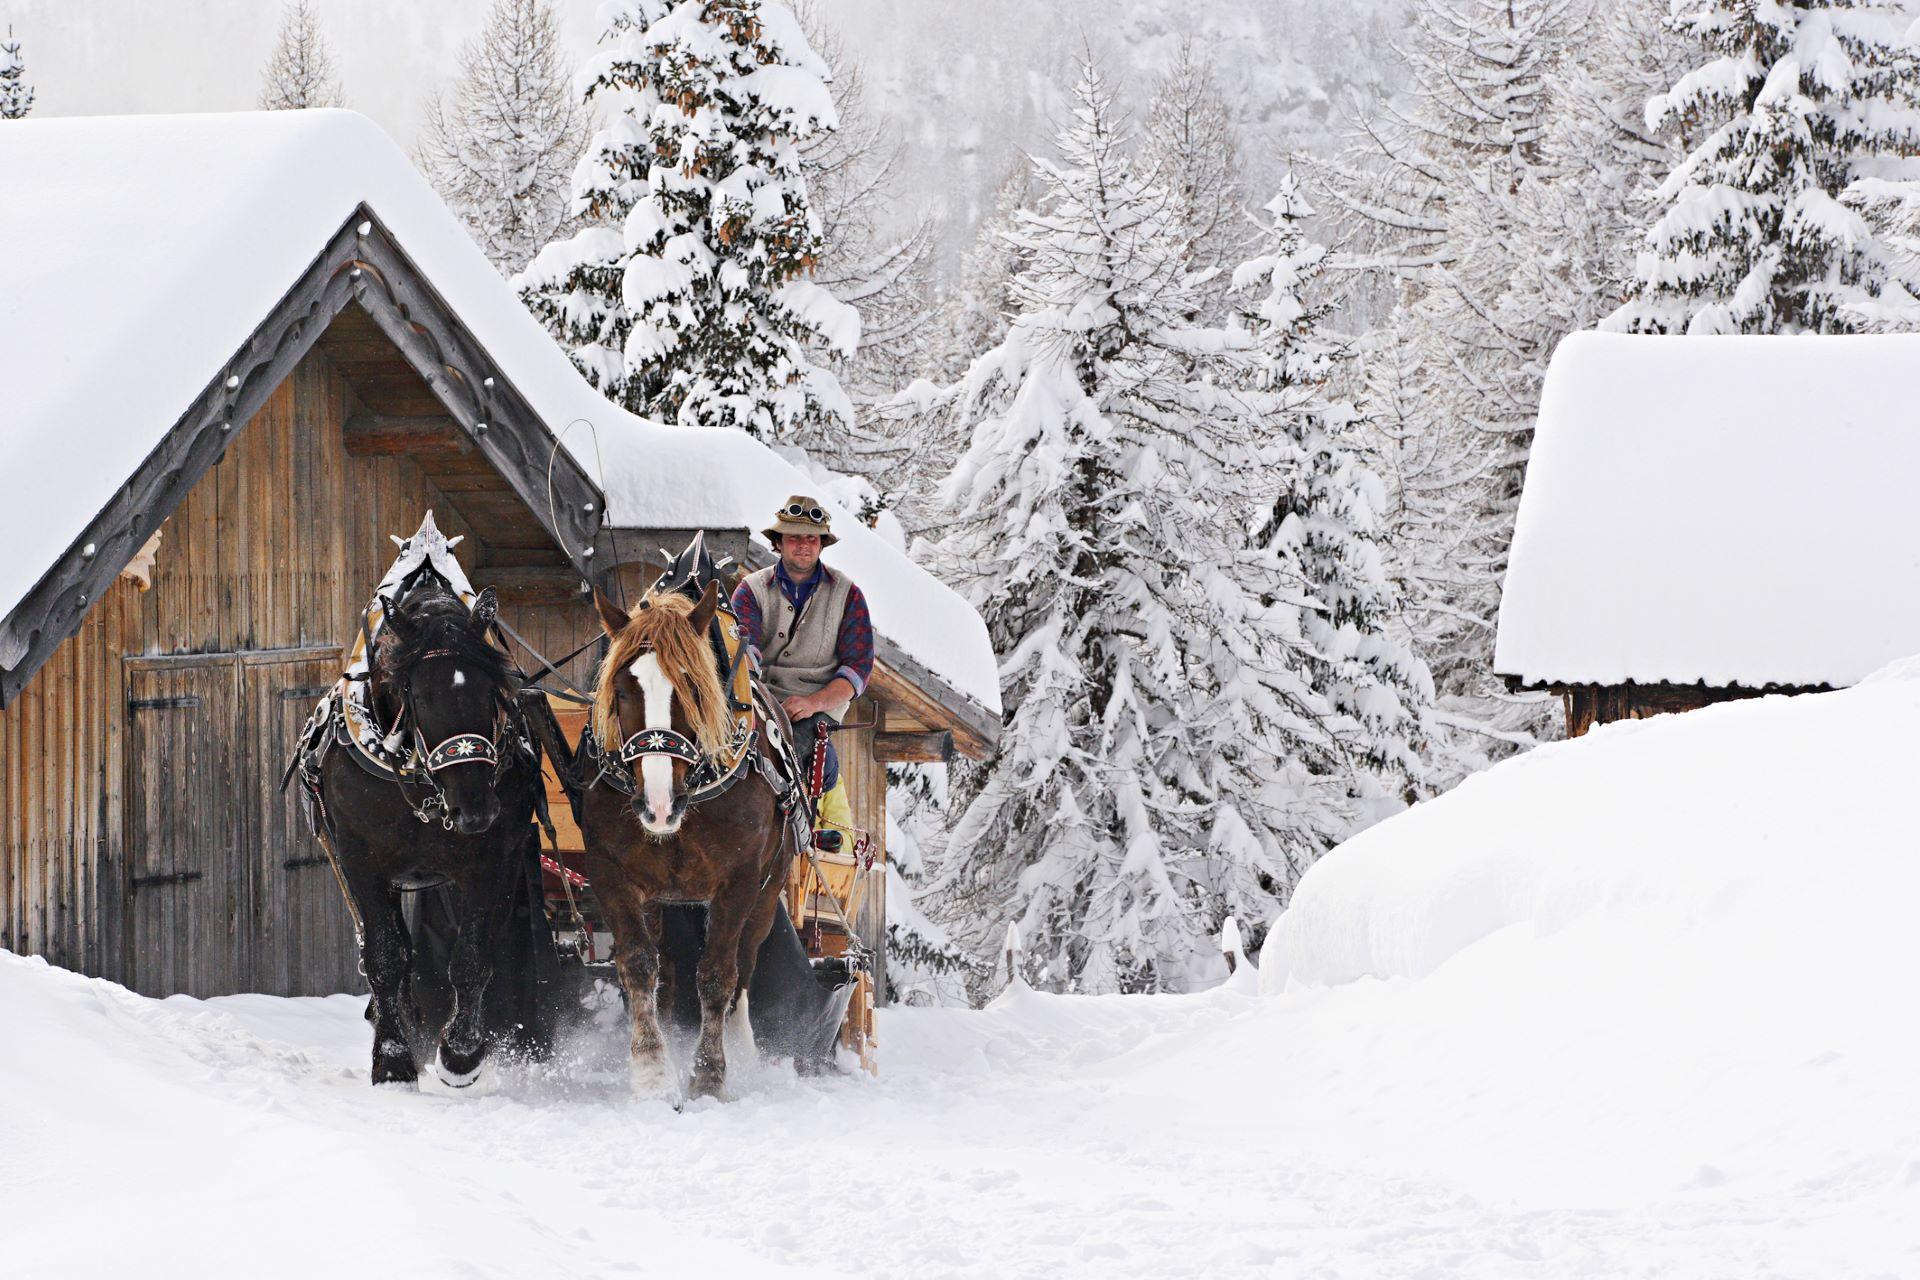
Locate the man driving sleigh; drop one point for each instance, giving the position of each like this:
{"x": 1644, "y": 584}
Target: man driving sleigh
{"x": 809, "y": 631}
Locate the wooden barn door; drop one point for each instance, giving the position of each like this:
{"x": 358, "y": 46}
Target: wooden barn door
{"x": 188, "y": 901}
{"x": 228, "y": 891}
{"x": 304, "y": 942}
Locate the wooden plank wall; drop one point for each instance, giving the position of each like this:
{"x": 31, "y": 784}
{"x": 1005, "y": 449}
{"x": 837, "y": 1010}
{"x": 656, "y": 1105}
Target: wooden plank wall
{"x": 60, "y": 797}
{"x": 273, "y": 552}
{"x": 1588, "y": 705}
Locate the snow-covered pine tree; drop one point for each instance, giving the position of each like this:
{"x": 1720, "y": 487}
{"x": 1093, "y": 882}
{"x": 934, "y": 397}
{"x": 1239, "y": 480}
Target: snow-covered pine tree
{"x": 1799, "y": 99}
{"x": 689, "y": 296}
{"x": 300, "y": 73}
{"x": 1193, "y": 150}
{"x": 16, "y": 95}
{"x": 502, "y": 148}
{"x": 1322, "y": 720}
{"x": 1084, "y": 516}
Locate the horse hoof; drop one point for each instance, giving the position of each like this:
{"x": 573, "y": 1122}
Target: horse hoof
{"x": 393, "y": 1064}
{"x": 653, "y": 1081}
{"x": 707, "y": 1084}
{"x": 444, "y": 1078}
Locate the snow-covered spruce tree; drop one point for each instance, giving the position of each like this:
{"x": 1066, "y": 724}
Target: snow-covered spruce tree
{"x": 689, "y": 297}
{"x": 1090, "y": 521}
{"x": 1192, "y": 148}
{"x": 1800, "y": 99}
{"x": 16, "y": 95}
{"x": 1323, "y": 715}
{"x": 300, "y": 73}
{"x": 501, "y": 149}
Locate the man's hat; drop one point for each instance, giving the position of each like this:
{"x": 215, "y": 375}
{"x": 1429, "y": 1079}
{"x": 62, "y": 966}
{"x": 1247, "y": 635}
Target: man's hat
{"x": 802, "y": 515}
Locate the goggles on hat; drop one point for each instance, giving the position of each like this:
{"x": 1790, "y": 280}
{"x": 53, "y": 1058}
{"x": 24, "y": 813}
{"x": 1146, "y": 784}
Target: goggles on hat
{"x": 814, "y": 514}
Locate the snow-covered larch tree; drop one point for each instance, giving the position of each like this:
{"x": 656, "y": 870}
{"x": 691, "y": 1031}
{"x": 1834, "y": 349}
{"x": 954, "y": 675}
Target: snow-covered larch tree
{"x": 1432, "y": 202}
{"x": 502, "y": 147}
{"x": 1193, "y": 149}
{"x": 1318, "y": 711}
{"x": 1799, "y": 99}
{"x": 689, "y": 295}
{"x": 300, "y": 73}
{"x": 16, "y": 95}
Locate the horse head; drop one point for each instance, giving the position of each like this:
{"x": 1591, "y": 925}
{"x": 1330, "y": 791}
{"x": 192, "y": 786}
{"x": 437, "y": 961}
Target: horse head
{"x": 658, "y": 701}
{"x": 454, "y": 690}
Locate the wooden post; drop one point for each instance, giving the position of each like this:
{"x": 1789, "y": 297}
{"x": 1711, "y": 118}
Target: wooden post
{"x": 1013, "y": 954}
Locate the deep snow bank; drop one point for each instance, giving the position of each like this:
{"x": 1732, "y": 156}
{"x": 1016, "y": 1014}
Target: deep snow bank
{"x": 1778, "y": 835}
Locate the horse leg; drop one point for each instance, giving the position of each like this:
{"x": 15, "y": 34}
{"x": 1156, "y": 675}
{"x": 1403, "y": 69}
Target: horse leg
{"x": 386, "y": 956}
{"x": 463, "y": 1042}
{"x": 636, "y": 957}
{"x": 718, "y": 980}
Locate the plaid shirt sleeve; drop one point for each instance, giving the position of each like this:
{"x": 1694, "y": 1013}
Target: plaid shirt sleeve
{"x": 747, "y": 609}
{"x": 854, "y": 648}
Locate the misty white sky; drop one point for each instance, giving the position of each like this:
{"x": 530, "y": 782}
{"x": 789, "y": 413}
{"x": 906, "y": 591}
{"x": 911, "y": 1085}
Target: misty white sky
{"x": 964, "y": 84}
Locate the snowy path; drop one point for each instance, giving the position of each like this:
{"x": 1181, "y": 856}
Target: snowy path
{"x": 1211, "y": 1135}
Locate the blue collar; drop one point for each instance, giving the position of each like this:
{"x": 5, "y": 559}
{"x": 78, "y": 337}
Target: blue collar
{"x": 814, "y": 579}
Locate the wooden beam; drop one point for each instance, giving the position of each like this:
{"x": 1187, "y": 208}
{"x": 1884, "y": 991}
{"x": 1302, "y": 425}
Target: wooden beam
{"x": 890, "y": 684}
{"x": 531, "y": 586}
{"x": 914, "y": 748}
{"x": 370, "y": 435}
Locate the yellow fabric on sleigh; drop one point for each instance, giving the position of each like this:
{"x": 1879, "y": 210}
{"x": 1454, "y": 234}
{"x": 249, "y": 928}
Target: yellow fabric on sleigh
{"x": 836, "y": 810}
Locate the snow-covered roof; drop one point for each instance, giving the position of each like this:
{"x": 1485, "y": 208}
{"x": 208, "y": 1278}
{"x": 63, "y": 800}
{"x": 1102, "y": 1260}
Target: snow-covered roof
{"x": 138, "y": 253}
{"x": 1733, "y": 510}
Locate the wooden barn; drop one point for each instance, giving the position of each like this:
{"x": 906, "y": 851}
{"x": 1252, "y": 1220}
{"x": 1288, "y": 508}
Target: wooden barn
{"x": 237, "y": 353}
{"x": 1707, "y": 519}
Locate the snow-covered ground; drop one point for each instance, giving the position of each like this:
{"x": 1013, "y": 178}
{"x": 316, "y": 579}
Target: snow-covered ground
{"x": 1636, "y": 1005}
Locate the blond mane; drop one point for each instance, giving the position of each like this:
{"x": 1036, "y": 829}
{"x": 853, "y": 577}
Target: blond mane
{"x": 661, "y": 626}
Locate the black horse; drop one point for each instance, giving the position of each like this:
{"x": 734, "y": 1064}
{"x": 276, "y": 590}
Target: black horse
{"x": 447, "y": 797}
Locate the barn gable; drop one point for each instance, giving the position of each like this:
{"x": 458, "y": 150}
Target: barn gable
{"x": 427, "y": 390}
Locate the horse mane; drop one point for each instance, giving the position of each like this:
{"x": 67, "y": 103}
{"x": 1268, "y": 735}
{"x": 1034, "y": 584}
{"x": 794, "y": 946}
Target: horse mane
{"x": 661, "y": 626}
{"x": 437, "y": 619}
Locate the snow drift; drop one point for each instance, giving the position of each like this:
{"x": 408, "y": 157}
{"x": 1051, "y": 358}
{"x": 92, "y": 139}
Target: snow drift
{"x": 1781, "y": 829}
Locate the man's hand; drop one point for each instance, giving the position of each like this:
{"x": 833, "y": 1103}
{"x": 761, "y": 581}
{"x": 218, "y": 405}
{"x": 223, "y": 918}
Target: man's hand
{"x": 802, "y": 705}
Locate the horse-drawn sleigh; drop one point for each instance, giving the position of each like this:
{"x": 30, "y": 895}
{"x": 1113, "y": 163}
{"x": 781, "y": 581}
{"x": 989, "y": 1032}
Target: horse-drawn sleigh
{"x": 679, "y": 849}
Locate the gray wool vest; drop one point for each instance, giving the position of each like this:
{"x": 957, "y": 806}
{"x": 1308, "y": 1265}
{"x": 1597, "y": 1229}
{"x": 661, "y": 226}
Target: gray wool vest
{"x": 799, "y": 655}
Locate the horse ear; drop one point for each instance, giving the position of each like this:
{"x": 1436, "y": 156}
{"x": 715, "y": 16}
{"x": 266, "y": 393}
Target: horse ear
{"x": 486, "y": 607}
{"x": 394, "y": 621}
{"x": 702, "y": 615}
{"x": 612, "y": 616}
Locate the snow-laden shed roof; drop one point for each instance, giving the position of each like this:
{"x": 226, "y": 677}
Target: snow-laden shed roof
{"x": 1726, "y": 510}
{"x": 137, "y": 254}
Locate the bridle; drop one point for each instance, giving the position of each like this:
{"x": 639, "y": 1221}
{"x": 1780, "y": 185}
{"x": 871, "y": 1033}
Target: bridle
{"x": 509, "y": 730}
{"x": 706, "y": 778}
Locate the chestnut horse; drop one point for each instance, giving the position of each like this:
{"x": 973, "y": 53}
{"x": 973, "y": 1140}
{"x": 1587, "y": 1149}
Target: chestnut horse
{"x": 678, "y": 814}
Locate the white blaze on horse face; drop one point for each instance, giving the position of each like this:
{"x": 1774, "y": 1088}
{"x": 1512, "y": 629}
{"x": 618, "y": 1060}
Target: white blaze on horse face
{"x": 459, "y": 678}
{"x": 656, "y": 772}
